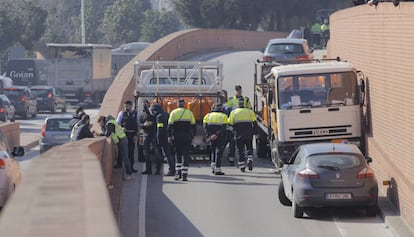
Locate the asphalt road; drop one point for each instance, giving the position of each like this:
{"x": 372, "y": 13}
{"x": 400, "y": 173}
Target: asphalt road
{"x": 237, "y": 204}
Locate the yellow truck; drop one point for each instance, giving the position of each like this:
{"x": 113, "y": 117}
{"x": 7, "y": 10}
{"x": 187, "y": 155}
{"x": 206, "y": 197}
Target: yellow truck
{"x": 318, "y": 101}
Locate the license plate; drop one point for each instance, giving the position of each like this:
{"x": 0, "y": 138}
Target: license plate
{"x": 343, "y": 141}
{"x": 338, "y": 196}
{"x": 61, "y": 137}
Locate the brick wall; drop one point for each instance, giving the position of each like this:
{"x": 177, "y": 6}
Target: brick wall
{"x": 380, "y": 41}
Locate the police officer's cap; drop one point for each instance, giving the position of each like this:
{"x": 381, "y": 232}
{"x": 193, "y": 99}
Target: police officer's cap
{"x": 181, "y": 103}
{"x": 237, "y": 87}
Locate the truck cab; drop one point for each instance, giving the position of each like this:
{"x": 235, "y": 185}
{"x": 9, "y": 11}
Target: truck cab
{"x": 308, "y": 103}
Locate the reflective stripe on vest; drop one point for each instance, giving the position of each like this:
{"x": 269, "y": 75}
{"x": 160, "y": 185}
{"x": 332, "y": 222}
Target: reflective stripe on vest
{"x": 119, "y": 131}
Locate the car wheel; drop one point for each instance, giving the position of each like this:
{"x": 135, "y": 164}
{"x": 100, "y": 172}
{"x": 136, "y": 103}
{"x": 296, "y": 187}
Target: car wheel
{"x": 12, "y": 119}
{"x": 26, "y": 114}
{"x": 372, "y": 211}
{"x": 284, "y": 200}
{"x": 297, "y": 210}
{"x": 34, "y": 115}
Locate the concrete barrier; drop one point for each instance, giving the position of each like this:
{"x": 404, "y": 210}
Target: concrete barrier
{"x": 62, "y": 194}
{"x": 379, "y": 41}
{"x": 10, "y": 133}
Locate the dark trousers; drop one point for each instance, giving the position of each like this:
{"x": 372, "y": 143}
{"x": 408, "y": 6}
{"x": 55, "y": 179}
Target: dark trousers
{"x": 182, "y": 146}
{"x": 232, "y": 143}
{"x": 217, "y": 148}
{"x": 242, "y": 145}
{"x": 148, "y": 141}
{"x": 164, "y": 150}
{"x": 131, "y": 147}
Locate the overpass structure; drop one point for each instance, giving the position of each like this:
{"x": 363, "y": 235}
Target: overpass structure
{"x": 378, "y": 40}
{"x": 64, "y": 191}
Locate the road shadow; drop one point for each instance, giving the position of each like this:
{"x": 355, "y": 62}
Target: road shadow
{"x": 163, "y": 217}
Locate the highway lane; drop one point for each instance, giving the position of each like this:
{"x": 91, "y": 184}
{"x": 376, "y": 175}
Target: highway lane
{"x": 239, "y": 204}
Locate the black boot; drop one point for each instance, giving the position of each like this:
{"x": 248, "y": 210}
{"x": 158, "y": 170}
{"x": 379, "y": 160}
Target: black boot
{"x": 185, "y": 177}
{"x": 146, "y": 172}
{"x": 177, "y": 175}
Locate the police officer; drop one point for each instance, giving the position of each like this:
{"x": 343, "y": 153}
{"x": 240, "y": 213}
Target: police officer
{"x": 76, "y": 116}
{"x": 81, "y": 129}
{"x": 232, "y": 104}
{"x": 245, "y": 127}
{"x": 110, "y": 128}
{"x": 161, "y": 119}
{"x": 181, "y": 129}
{"x": 148, "y": 126}
{"x": 129, "y": 120}
{"x": 214, "y": 124}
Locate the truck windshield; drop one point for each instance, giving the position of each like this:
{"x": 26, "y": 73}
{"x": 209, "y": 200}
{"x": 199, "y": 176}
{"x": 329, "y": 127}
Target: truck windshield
{"x": 315, "y": 90}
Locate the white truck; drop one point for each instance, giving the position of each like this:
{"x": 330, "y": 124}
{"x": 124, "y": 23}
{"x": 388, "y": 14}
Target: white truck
{"x": 306, "y": 103}
{"x": 200, "y": 84}
{"x": 83, "y": 72}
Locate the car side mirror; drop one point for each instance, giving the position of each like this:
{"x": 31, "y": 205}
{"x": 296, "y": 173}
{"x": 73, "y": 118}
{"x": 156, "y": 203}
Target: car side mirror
{"x": 18, "y": 151}
{"x": 262, "y": 50}
{"x": 368, "y": 159}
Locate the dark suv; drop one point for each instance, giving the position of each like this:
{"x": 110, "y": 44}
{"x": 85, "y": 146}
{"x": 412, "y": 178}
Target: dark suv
{"x": 49, "y": 98}
{"x": 23, "y": 100}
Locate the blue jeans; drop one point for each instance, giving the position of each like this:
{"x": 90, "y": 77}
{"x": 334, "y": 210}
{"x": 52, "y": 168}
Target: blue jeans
{"x": 123, "y": 152}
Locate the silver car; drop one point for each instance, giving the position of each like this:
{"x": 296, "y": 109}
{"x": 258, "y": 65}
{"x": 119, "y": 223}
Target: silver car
{"x": 55, "y": 131}
{"x": 9, "y": 172}
{"x": 328, "y": 175}
{"x": 286, "y": 50}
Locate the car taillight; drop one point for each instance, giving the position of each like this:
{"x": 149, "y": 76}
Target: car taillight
{"x": 88, "y": 94}
{"x": 1, "y": 110}
{"x": 308, "y": 174}
{"x": 43, "y": 133}
{"x": 365, "y": 173}
{"x": 305, "y": 57}
{"x": 266, "y": 58}
{"x": 2, "y": 164}
{"x": 23, "y": 99}
{"x": 50, "y": 95}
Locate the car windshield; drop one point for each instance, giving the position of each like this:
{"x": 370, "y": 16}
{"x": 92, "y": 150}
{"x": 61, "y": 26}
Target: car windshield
{"x": 285, "y": 49}
{"x": 334, "y": 161}
{"x": 316, "y": 90}
{"x": 40, "y": 92}
{"x": 61, "y": 124}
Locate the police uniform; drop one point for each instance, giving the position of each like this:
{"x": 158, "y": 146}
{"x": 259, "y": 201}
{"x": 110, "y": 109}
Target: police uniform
{"x": 214, "y": 124}
{"x": 130, "y": 121}
{"x": 116, "y": 132}
{"x": 245, "y": 127}
{"x": 181, "y": 126}
{"x": 231, "y": 105}
{"x": 148, "y": 127}
{"x": 161, "y": 118}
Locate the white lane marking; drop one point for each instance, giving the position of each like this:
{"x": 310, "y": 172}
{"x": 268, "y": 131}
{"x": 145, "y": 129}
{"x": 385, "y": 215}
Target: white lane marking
{"x": 142, "y": 205}
{"x": 339, "y": 225}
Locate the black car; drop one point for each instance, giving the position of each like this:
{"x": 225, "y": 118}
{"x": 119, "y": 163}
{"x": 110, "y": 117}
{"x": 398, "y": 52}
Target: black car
{"x": 23, "y": 100}
{"x": 7, "y": 110}
{"x": 49, "y": 98}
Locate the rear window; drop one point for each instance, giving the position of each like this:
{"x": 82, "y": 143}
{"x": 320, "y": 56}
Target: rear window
{"x": 40, "y": 92}
{"x": 285, "y": 49}
{"x": 12, "y": 94}
{"x": 58, "y": 124}
{"x": 341, "y": 161}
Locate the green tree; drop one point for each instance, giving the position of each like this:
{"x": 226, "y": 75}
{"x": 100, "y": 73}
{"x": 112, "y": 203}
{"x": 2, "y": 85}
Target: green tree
{"x": 158, "y": 24}
{"x": 123, "y": 19}
{"x": 9, "y": 26}
{"x": 33, "y": 19}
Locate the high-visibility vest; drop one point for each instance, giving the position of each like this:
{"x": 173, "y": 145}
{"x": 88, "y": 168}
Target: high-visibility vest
{"x": 119, "y": 131}
{"x": 215, "y": 118}
{"x": 181, "y": 115}
{"x": 233, "y": 102}
{"x": 241, "y": 115}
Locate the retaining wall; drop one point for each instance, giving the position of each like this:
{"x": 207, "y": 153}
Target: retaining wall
{"x": 380, "y": 41}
